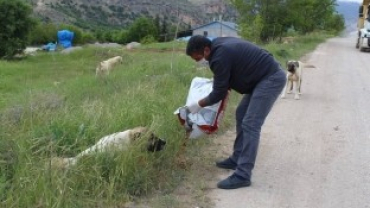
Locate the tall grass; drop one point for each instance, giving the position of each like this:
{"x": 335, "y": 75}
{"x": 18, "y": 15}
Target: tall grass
{"x": 52, "y": 105}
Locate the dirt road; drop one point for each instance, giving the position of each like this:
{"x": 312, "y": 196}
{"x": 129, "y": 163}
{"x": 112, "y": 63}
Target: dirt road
{"x": 314, "y": 152}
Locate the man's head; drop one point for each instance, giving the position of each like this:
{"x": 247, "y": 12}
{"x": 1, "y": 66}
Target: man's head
{"x": 198, "y": 47}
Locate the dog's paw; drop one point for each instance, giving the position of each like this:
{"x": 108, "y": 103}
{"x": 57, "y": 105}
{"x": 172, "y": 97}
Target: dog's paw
{"x": 282, "y": 97}
{"x": 296, "y": 97}
{"x": 289, "y": 92}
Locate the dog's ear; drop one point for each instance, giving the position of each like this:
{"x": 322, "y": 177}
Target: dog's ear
{"x": 136, "y": 135}
{"x": 155, "y": 143}
{"x": 137, "y": 132}
{"x": 152, "y": 139}
{"x": 296, "y": 63}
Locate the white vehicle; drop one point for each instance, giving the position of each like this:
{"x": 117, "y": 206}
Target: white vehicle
{"x": 363, "y": 26}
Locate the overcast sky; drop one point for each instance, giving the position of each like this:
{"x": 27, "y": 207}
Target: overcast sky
{"x": 359, "y": 1}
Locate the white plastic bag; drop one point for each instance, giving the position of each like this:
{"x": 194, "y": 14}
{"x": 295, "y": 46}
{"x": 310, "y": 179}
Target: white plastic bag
{"x": 206, "y": 121}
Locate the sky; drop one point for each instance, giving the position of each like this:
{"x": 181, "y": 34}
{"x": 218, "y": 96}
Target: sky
{"x": 359, "y": 1}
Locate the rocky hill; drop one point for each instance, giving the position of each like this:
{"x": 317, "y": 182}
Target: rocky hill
{"x": 120, "y": 13}
{"x": 91, "y": 14}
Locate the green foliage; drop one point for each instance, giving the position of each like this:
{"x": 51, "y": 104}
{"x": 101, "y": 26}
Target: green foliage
{"x": 141, "y": 28}
{"x": 252, "y": 31}
{"x": 299, "y": 46}
{"x": 43, "y": 33}
{"x": 335, "y": 23}
{"x": 163, "y": 30}
{"x": 64, "y": 114}
{"x": 148, "y": 39}
{"x": 157, "y": 26}
{"x": 122, "y": 37}
{"x": 8, "y": 161}
{"x": 88, "y": 37}
{"x": 43, "y": 115}
{"x": 15, "y": 24}
{"x": 279, "y": 15}
{"x": 292, "y": 32}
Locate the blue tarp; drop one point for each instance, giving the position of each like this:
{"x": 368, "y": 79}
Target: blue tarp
{"x": 49, "y": 47}
{"x": 65, "y": 38}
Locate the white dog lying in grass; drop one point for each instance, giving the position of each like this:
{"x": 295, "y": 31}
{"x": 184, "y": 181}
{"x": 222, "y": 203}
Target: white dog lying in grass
{"x": 107, "y": 65}
{"x": 119, "y": 141}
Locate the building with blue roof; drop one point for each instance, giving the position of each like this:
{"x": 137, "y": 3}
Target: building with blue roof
{"x": 217, "y": 29}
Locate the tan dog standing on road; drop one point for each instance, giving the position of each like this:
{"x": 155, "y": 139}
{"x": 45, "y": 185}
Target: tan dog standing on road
{"x": 107, "y": 65}
{"x": 294, "y": 78}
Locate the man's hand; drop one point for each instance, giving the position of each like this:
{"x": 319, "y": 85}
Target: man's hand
{"x": 194, "y": 107}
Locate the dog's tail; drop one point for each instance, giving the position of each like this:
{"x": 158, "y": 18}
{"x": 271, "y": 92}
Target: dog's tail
{"x": 307, "y": 65}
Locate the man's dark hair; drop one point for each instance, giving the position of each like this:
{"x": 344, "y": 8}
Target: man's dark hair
{"x": 197, "y": 43}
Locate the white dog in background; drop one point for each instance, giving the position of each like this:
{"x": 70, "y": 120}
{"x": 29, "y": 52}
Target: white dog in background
{"x": 294, "y": 78}
{"x": 113, "y": 142}
{"x": 107, "y": 65}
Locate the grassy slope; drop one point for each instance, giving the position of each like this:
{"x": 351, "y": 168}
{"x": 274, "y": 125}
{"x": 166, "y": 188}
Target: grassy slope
{"x": 53, "y": 105}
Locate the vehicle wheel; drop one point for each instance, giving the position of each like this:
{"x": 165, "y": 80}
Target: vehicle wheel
{"x": 360, "y": 42}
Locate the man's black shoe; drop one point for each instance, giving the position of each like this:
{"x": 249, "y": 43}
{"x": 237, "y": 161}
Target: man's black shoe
{"x": 226, "y": 164}
{"x": 233, "y": 182}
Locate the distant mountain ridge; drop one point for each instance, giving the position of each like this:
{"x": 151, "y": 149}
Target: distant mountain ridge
{"x": 121, "y": 13}
{"x": 349, "y": 10}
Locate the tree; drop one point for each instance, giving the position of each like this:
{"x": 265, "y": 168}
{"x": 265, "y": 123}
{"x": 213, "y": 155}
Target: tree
{"x": 270, "y": 13}
{"x": 157, "y": 26}
{"x": 164, "y": 30}
{"x": 335, "y": 23}
{"x": 277, "y": 16}
{"x": 252, "y": 31}
{"x": 141, "y": 28}
{"x": 43, "y": 33}
{"x": 16, "y": 24}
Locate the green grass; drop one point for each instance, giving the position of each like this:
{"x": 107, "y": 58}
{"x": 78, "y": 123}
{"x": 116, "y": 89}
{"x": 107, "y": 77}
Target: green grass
{"x": 52, "y": 104}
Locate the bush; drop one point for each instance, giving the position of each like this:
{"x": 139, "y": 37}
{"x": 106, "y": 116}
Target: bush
{"x": 121, "y": 37}
{"x": 15, "y": 24}
{"x": 141, "y": 28}
{"x": 43, "y": 34}
{"x": 148, "y": 39}
{"x": 88, "y": 38}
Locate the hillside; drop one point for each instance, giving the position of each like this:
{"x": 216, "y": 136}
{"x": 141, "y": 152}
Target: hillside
{"x": 120, "y": 13}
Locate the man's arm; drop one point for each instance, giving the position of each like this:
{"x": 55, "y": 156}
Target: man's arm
{"x": 221, "y": 69}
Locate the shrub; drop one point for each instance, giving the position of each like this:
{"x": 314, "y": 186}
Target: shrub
{"x": 148, "y": 39}
{"x": 15, "y": 24}
{"x": 43, "y": 34}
